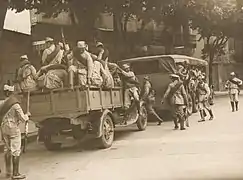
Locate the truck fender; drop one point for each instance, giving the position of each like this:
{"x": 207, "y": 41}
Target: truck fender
{"x": 98, "y": 123}
{"x": 51, "y": 126}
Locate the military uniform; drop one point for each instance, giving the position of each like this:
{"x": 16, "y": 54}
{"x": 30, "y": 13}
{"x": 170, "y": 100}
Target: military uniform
{"x": 26, "y": 75}
{"x": 11, "y": 115}
{"x": 233, "y": 86}
{"x": 176, "y": 94}
{"x": 148, "y": 95}
{"x": 203, "y": 94}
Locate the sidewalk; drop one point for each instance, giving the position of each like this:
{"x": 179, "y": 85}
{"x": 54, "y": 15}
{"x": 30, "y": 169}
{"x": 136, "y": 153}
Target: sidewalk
{"x": 220, "y": 93}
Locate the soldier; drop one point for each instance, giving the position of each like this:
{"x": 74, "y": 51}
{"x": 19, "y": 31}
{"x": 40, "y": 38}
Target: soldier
{"x": 27, "y": 75}
{"x": 11, "y": 115}
{"x": 53, "y": 54}
{"x": 86, "y": 63}
{"x": 148, "y": 96}
{"x": 233, "y": 85}
{"x": 177, "y": 97}
{"x": 203, "y": 94}
{"x": 130, "y": 83}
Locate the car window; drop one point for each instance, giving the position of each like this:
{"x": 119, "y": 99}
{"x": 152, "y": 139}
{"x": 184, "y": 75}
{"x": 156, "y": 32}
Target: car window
{"x": 147, "y": 67}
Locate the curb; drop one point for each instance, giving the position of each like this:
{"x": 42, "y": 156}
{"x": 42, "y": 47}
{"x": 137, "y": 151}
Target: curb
{"x": 221, "y": 94}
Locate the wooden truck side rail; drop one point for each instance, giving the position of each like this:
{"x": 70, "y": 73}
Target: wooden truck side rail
{"x": 71, "y": 103}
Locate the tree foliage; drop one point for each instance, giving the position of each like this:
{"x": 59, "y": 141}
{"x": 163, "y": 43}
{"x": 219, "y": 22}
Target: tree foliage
{"x": 214, "y": 21}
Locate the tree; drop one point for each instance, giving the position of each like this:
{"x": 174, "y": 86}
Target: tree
{"x": 213, "y": 19}
{"x": 86, "y": 11}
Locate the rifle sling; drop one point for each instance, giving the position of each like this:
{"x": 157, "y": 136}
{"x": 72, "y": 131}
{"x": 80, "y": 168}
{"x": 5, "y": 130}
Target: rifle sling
{"x": 175, "y": 89}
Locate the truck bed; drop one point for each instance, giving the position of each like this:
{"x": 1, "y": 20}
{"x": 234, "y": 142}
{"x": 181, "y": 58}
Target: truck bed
{"x": 71, "y": 103}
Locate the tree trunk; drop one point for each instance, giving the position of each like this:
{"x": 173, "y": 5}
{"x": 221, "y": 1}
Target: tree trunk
{"x": 210, "y": 64}
{"x": 86, "y": 19}
{"x": 118, "y": 34}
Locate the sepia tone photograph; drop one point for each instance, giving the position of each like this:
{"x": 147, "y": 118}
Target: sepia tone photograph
{"x": 121, "y": 89}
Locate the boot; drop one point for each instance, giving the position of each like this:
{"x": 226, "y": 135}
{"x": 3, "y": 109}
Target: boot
{"x": 232, "y": 106}
{"x": 176, "y": 123}
{"x": 182, "y": 124}
{"x": 211, "y": 114}
{"x": 160, "y": 121}
{"x": 236, "y": 105}
{"x": 16, "y": 174}
{"x": 202, "y": 116}
{"x": 8, "y": 164}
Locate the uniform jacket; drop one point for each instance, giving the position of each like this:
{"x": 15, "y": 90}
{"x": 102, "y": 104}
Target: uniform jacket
{"x": 27, "y": 77}
{"x": 203, "y": 89}
{"x": 233, "y": 87}
{"x": 179, "y": 97}
{"x": 147, "y": 86}
{"x": 13, "y": 117}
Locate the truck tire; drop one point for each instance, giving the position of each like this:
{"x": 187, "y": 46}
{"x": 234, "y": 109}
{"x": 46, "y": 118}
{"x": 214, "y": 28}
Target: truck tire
{"x": 50, "y": 146}
{"x": 142, "y": 119}
{"x": 107, "y": 137}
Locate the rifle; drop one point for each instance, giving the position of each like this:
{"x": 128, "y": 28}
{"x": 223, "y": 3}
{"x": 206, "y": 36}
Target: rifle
{"x": 66, "y": 52}
{"x": 26, "y": 124}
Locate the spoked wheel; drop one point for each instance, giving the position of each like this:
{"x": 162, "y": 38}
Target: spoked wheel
{"x": 106, "y": 140}
{"x": 50, "y": 145}
{"x": 142, "y": 119}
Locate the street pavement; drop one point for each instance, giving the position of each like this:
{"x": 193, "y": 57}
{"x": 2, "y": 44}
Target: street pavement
{"x": 206, "y": 151}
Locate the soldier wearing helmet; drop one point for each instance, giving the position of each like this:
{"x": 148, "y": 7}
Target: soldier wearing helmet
{"x": 148, "y": 96}
{"x": 203, "y": 94}
{"x": 233, "y": 86}
{"x": 177, "y": 97}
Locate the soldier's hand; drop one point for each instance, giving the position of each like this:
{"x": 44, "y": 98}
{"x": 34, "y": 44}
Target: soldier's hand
{"x": 162, "y": 102}
{"x": 102, "y": 51}
{"x": 28, "y": 114}
{"x": 88, "y": 81}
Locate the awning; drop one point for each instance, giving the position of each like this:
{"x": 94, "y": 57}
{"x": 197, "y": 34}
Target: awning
{"x": 18, "y": 22}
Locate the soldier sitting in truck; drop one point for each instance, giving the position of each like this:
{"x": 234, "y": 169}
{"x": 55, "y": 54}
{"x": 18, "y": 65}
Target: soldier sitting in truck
{"x": 53, "y": 54}
{"x": 130, "y": 84}
{"x": 88, "y": 71}
{"x": 52, "y": 77}
{"x": 26, "y": 75}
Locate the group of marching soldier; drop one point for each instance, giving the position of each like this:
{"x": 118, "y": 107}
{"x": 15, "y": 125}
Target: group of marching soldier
{"x": 177, "y": 91}
{"x": 95, "y": 69}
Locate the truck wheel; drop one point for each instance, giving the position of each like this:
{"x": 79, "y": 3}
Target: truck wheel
{"x": 142, "y": 119}
{"x": 50, "y": 146}
{"x": 107, "y": 137}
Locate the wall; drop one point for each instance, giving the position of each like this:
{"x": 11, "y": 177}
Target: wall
{"x": 199, "y": 47}
{"x": 221, "y": 74}
{"x": 12, "y": 46}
